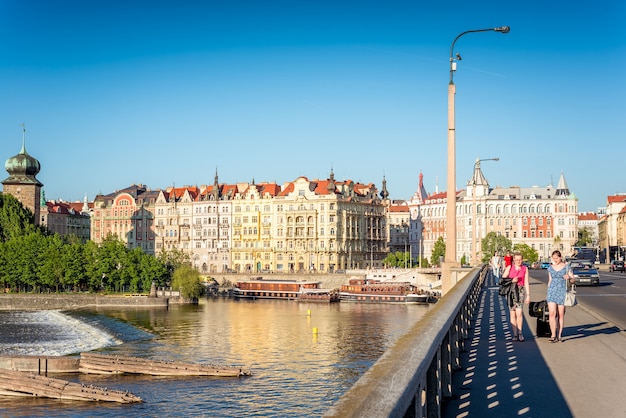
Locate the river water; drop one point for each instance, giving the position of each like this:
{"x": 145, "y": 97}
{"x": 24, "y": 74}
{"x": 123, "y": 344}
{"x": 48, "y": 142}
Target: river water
{"x": 303, "y": 356}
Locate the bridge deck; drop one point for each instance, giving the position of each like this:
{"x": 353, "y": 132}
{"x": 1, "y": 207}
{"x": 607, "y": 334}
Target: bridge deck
{"x": 584, "y": 376}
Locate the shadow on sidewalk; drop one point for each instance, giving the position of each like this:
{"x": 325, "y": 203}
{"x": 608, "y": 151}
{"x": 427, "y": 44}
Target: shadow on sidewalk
{"x": 501, "y": 378}
{"x": 588, "y": 330}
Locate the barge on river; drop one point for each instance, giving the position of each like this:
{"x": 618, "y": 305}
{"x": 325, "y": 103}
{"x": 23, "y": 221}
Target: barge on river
{"x": 305, "y": 291}
{"x": 375, "y": 291}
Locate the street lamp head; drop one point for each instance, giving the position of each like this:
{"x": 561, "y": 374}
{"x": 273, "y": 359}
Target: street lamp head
{"x": 503, "y": 29}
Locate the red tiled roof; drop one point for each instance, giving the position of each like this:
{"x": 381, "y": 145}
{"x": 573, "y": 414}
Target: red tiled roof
{"x": 397, "y": 208}
{"x": 588, "y": 216}
{"x": 616, "y": 198}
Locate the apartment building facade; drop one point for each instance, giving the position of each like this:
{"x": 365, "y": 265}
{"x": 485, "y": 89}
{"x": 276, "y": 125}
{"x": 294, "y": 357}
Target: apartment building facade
{"x": 67, "y": 218}
{"x": 545, "y": 218}
{"x": 612, "y": 229}
{"x": 127, "y": 214}
{"x": 304, "y": 225}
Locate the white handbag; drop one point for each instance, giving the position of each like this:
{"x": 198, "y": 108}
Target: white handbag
{"x": 570, "y": 296}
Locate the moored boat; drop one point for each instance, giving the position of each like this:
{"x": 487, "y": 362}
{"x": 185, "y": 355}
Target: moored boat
{"x": 259, "y": 288}
{"x": 375, "y": 291}
{"x": 319, "y": 295}
{"x": 424, "y": 297}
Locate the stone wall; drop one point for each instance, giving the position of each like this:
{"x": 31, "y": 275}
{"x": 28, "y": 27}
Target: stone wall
{"x": 32, "y": 302}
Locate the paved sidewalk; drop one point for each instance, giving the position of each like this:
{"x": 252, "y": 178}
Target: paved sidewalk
{"x": 584, "y": 376}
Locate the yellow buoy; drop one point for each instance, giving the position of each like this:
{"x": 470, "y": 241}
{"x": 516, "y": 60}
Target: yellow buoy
{"x": 315, "y": 330}
{"x": 308, "y": 312}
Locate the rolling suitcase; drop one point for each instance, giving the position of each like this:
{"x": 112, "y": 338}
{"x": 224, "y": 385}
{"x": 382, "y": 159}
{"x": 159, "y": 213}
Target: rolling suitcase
{"x": 540, "y": 311}
{"x": 543, "y": 326}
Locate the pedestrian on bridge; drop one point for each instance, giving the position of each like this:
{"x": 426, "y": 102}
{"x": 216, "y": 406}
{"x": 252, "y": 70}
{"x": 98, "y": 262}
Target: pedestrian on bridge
{"x": 520, "y": 294}
{"x": 495, "y": 263}
{"x": 559, "y": 273}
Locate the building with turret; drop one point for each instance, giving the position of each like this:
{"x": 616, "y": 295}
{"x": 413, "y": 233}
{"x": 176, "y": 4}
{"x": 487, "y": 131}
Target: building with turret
{"x": 22, "y": 182}
{"x": 544, "y": 218}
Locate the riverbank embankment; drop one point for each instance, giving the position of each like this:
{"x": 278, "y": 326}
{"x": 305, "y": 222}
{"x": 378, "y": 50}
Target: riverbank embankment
{"x": 52, "y": 301}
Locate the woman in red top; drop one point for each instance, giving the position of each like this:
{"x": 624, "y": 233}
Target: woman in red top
{"x": 520, "y": 295}
{"x": 508, "y": 259}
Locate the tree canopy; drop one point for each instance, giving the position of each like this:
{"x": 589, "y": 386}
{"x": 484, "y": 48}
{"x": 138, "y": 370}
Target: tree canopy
{"x": 439, "y": 250}
{"x": 494, "y": 242}
{"x": 32, "y": 259}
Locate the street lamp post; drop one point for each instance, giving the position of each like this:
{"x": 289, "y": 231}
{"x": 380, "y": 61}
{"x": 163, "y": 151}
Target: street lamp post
{"x": 475, "y": 231}
{"x": 451, "y": 192}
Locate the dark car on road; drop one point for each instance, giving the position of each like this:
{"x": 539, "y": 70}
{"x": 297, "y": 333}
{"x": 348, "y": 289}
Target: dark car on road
{"x": 585, "y": 273}
{"x": 545, "y": 265}
{"x": 616, "y": 265}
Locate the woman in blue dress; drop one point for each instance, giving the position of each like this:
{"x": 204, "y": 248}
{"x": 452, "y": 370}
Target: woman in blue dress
{"x": 558, "y": 275}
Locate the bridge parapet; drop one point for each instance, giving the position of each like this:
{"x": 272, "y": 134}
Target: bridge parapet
{"x": 413, "y": 377}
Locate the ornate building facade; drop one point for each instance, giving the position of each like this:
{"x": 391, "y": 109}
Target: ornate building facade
{"x": 544, "y": 218}
{"x": 127, "y": 214}
{"x": 304, "y": 225}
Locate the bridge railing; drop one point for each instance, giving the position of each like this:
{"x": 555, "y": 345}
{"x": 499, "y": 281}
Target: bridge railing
{"x": 414, "y": 376}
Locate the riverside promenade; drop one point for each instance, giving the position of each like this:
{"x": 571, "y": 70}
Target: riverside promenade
{"x": 584, "y": 376}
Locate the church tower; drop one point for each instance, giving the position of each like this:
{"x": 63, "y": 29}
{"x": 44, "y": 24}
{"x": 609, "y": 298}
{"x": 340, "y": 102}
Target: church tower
{"x": 22, "y": 183}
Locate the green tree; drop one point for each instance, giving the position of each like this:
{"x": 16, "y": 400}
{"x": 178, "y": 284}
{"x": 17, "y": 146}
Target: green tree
{"x": 391, "y": 260}
{"x": 15, "y": 219}
{"x": 528, "y": 253}
{"x": 111, "y": 259}
{"x": 75, "y": 274}
{"x": 152, "y": 270}
{"x": 187, "y": 280}
{"x": 585, "y": 237}
{"x": 51, "y": 268}
{"x": 398, "y": 259}
{"x": 439, "y": 250}
{"x": 492, "y": 243}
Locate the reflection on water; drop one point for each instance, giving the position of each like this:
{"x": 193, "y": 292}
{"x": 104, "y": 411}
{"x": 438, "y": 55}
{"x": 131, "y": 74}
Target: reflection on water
{"x": 296, "y": 372}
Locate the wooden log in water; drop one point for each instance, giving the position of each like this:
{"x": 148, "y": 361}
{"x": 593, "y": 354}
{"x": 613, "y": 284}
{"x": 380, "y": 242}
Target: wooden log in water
{"x": 106, "y": 364}
{"x": 17, "y": 383}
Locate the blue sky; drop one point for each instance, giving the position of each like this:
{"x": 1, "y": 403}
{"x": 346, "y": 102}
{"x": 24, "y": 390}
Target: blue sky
{"x": 164, "y": 92}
